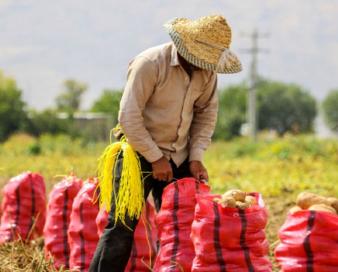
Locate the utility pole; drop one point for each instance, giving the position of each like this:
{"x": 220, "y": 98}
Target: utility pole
{"x": 253, "y": 75}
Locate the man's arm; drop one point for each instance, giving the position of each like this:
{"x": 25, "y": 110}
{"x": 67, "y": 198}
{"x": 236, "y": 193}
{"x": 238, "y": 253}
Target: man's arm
{"x": 142, "y": 78}
{"x": 141, "y": 81}
{"x": 202, "y": 127}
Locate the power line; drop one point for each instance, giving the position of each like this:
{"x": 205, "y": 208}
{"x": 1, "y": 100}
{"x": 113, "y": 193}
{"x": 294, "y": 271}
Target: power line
{"x": 252, "y": 108}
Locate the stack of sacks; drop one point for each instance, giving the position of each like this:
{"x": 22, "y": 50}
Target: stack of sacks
{"x": 23, "y": 208}
{"x": 174, "y": 225}
{"x": 228, "y": 233}
{"x": 82, "y": 230}
{"x": 145, "y": 237}
{"x": 58, "y": 217}
{"x": 309, "y": 236}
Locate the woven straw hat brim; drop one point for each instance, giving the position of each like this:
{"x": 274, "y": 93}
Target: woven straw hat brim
{"x": 201, "y": 61}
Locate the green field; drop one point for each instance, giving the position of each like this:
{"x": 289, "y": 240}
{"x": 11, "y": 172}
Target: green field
{"x": 277, "y": 168}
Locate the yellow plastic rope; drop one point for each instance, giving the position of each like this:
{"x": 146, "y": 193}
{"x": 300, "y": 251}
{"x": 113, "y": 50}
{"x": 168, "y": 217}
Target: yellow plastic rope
{"x": 129, "y": 199}
{"x": 105, "y": 169}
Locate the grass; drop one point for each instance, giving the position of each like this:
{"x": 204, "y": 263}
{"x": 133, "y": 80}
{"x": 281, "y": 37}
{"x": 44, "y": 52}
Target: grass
{"x": 22, "y": 257}
{"x": 277, "y": 168}
{"x": 53, "y": 157}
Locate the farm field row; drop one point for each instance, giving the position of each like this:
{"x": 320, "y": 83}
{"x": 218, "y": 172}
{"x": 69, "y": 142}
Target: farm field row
{"x": 277, "y": 168}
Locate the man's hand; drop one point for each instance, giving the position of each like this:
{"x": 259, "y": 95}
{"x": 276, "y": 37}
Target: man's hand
{"x": 198, "y": 171}
{"x": 162, "y": 170}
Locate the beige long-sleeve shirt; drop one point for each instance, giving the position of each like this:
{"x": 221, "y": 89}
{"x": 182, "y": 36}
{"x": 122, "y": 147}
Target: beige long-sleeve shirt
{"x": 163, "y": 112}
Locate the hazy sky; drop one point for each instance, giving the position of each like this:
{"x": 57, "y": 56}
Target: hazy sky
{"x": 44, "y": 42}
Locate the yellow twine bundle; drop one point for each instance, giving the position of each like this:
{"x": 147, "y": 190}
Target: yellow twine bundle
{"x": 105, "y": 170}
{"x": 129, "y": 198}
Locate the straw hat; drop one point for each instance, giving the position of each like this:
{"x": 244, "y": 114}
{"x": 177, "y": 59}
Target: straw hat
{"x": 205, "y": 43}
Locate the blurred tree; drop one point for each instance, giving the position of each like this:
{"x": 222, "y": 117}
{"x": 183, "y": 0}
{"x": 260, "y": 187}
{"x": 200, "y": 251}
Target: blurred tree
{"x": 232, "y": 111}
{"x": 284, "y": 107}
{"x": 70, "y": 100}
{"x": 46, "y": 121}
{"x": 12, "y": 113}
{"x": 108, "y": 102}
{"x": 330, "y": 108}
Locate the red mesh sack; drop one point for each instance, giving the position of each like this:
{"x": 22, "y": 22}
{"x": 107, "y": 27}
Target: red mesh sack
{"x": 23, "y": 207}
{"x": 101, "y": 221}
{"x": 145, "y": 237}
{"x": 58, "y": 217}
{"x": 309, "y": 242}
{"x": 82, "y": 230}
{"x": 174, "y": 225}
{"x": 229, "y": 239}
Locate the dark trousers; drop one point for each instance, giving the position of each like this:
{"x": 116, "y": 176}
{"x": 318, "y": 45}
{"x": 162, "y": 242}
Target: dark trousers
{"x": 114, "y": 247}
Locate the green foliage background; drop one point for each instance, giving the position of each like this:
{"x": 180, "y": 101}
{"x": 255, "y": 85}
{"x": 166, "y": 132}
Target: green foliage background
{"x": 330, "y": 108}
{"x": 285, "y": 107}
{"x": 281, "y": 107}
{"x": 108, "y": 102}
{"x": 70, "y": 99}
{"x": 12, "y": 107}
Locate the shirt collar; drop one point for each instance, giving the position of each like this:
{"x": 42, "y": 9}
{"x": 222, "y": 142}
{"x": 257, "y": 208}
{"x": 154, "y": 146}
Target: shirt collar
{"x": 174, "y": 58}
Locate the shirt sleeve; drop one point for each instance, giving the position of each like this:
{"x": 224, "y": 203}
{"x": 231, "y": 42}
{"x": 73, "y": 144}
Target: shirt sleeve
{"x": 204, "y": 120}
{"x": 141, "y": 81}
